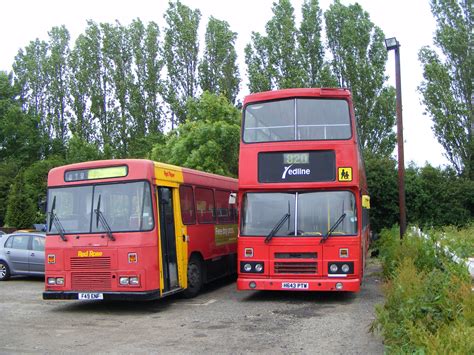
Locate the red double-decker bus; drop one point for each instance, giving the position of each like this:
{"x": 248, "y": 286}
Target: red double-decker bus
{"x": 137, "y": 229}
{"x": 302, "y": 190}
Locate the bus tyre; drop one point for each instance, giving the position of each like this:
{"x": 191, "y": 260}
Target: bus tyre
{"x": 195, "y": 277}
{"x": 4, "y": 271}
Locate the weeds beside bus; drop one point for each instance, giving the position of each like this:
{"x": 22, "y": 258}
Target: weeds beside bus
{"x": 136, "y": 230}
{"x": 302, "y": 191}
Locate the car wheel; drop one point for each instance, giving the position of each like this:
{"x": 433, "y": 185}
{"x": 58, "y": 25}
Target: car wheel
{"x": 195, "y": 277}
{"x": 4, "y": 271}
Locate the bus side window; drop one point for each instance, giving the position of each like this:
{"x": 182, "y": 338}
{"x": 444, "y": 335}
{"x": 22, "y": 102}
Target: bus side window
{"x": 205, "y": 205}
{"x": 186, "y": 198}
{"x": 223, "y": 208}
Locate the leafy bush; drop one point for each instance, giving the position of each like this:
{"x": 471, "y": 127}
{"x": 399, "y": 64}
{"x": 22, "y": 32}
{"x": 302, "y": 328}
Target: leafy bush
{"x": 429, "y": 305}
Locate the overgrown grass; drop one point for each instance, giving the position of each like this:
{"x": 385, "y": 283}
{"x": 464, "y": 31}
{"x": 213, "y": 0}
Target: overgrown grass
{"x": 429, "y": 305}
{"x": 460, "y": 241}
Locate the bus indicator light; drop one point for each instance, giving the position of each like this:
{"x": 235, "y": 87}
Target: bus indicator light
{"x": 344, "y": 253}
{"x": 51, "y": 259}
{"x": 248, "y": 252}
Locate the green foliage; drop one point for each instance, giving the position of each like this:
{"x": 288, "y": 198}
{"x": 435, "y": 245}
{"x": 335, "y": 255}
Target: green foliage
{"x": 359, "y": 58}
{"x": 35, "y": 179}
{"x": 218, "y": 71}
{"x": 8, "y": 171}
{"x": 20, "y": 140}
{"x": 180, "y": 51}
{"x": 447, "y": 88}
{"x": 458, "y": 240}
{"x": 212, "y": 108}
{"x": 383, "y": 189}
{"x": 317, "y": 73}
{"x": 78, "y": 150}
{"x": 429, "y": 306}
{"x": 435, "y": 197}
{"x": 20, "y": 207}
{"x": 208, "y": 141}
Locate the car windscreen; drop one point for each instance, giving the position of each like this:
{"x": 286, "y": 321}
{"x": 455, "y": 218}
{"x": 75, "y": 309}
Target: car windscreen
{"x": 297, "y": 119}
{"x": 126, "y": 207}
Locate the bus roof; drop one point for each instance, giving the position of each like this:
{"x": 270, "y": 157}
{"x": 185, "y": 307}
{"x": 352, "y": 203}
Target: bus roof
{"x": 139, "y": 169}
{"x": 304, "y": 92}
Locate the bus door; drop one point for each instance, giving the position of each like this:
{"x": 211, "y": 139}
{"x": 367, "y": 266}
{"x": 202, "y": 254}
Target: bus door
{"x": 168, "y": 239}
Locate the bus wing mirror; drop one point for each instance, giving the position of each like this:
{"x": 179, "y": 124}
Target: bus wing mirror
{"x": 366, "y": 201}
{"x": 232, "y": 198}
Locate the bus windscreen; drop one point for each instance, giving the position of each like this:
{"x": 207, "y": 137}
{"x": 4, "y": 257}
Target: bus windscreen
{"x": 126, "y": 207}
{"x": 297, "y": 119}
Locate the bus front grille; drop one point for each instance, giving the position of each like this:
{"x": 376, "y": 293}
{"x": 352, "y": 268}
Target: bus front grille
{"x": 102, "y": 263}
{"x": 91, "y": 281}
{"x": 296, "y": 268}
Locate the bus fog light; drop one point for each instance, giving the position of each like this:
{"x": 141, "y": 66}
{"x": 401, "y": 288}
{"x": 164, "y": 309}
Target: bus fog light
{"x": 339, "y": 286}
{"x": 51, "y": 281}
{"x": 333, "y": 268}
{"x": 345, "y": 268}
{"x": 124, "y": 280}
{"x": 259, "y": 268}
{"x": 60, "y": 281}
{"x": 252, "y": 284}
{"x": 134, "y": 281}
{"x": 247, "y": 267}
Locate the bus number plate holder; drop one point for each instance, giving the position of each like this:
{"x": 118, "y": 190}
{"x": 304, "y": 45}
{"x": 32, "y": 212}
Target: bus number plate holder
{"x": 90, "y": 296}
{"x": 295, "y": 285}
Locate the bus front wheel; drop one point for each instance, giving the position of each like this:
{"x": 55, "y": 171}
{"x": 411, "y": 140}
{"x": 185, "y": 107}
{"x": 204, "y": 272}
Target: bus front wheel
{"x": 195, "y": 277}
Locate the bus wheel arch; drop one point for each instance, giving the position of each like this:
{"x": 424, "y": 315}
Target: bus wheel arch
{"x": 195, "y": 274}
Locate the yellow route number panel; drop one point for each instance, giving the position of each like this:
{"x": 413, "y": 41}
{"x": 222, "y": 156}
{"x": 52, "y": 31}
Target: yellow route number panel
{"x": 344, "y": 174}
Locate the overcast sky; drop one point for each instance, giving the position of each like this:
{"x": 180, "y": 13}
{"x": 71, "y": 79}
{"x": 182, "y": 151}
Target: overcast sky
{"x": 409, "y": 20}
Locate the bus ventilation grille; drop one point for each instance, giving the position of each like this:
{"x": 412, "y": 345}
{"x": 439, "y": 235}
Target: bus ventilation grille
{"x": 101, "y": 263}
{"x": 296, "y": 268}
{"x": 91, "y": 281}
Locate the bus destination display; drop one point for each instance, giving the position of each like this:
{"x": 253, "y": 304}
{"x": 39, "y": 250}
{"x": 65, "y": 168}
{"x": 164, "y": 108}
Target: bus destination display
{"x": 312, "y": 166}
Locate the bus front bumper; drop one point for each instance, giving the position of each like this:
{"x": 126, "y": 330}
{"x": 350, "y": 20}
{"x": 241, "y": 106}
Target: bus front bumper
{"x": 106, "y": 296}
{"x": 300, "y": 284}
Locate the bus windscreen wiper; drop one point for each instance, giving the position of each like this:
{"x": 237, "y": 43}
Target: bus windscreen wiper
{"x": 333, "y": 228}
{"x": 277, "y": 227}
{"x": 103, "y": 221}
{"x": 55, "y": 220}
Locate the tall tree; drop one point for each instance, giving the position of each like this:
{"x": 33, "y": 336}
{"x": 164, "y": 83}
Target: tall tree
{"x": 31, "y": 75}
{"x": 257, "y": 58}
{"x": 316, "y": 72}
{"x": 359, "y": 58}
{"x": 218, "y": 70}
{"x": 20, "y": 139}
{"x": 57, "y": 90}
{"x": 282, "y": 41}
{"x": 181, "y": 48}
{"x": 208, "y": 140}
{"x": 447, "y": 88}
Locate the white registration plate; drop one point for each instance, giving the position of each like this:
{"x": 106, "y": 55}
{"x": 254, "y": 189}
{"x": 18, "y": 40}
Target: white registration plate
{"x": 90, "y": 296}
{"x": 295, "y": 285}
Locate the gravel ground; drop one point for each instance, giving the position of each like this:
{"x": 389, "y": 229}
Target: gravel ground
{"x": 220, "y": 320}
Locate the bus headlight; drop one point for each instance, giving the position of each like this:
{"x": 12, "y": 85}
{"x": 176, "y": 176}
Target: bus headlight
{"x": 247, "y": 267}
{"x": 259, "y": 268}
{"x": 124, "y": 281}
{"x": 345, "y": 268}
{"x": 60, "y": 281}
{"x": 134, "y": 281}
{"x": 252, "y": 267}
{"x": 333, "y": 268}
{"x": 51, "y": 281}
